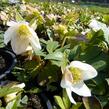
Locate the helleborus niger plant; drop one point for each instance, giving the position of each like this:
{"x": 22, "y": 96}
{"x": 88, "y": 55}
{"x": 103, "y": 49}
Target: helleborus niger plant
{"x": 22, "y": 37}
{"x": 74, "y": 76}
{"x": 69, "y": 49}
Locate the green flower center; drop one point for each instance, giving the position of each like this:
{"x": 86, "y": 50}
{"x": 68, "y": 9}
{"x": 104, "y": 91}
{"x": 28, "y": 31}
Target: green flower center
{"x": 76, "y": 73}
{"x": 23, "y": 31}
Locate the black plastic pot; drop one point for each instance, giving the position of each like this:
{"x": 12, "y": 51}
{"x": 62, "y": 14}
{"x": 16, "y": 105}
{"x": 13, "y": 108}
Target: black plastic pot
{"x": 9, "y": 59}
{"x": 45, "y": 100}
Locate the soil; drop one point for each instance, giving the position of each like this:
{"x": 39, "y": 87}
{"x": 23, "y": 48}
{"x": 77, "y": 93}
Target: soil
{"x": 34, "y": 102}
{"x": 2, "y": 63}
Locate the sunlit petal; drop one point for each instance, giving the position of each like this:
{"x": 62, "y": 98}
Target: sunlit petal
{"x": 87, "y": 70}
{"x": 22, "y": 85}
{"x": 69, "y": 93}
{"x": 13, "y": 1}
{"x": 9, "y": 34}
{"x": 67, "y": 78}
{"x": 81, "y": 89}
{"x": 28, "y": 48}
{"x": 96, "y": 25}
{"x": 19, "y": 46}
{"x": 22, "y": 37}
{"x": 34, "y": 40}
{"x": 11, "y": 23}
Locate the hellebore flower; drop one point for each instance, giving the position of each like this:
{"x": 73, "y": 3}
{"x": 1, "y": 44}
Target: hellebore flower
{"x": 22, "y": 37}
{"x": 74, "y": 76}
{"x": 13, "y": 1}
{"x": 11, "y": 96}
{"x": 96, "y": 26}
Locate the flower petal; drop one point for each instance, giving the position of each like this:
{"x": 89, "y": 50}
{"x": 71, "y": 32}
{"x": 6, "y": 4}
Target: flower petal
{"x": 69, "y": 93}
{"x": 81, "y": 89}
{"x": 19, "y": 45}
{"x": 29, "y": 48}
{"x": 34, "y": 40}
{"x": 66, "y": 79}
{"x": 9, "y": 34}
{"x": 65, "y": 83}
{"x": 87, "y": 70}
{"x": 13, "y": 1}
{"x": 22, "y": 85}
{"x": 96, "y": 25}
{"x": 12, "y": 23}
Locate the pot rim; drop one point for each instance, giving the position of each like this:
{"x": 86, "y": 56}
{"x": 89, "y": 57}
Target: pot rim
{"x": 9, "y": 55}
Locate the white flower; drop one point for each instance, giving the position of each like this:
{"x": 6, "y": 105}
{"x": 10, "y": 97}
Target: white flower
{"x": 11, "y": 96}
{"x": 13, "y": 1}
{"x": 85, "y": 32}
{"x": 22, "y": 37}
{"x": 74, "y": 76}
{"x": 51, "y": 16}
{"x": 96, "y": 25}
{"x": 73, "y": 1}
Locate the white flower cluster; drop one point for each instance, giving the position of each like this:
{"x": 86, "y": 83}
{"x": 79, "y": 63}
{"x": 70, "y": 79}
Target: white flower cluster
{"x": 22, "y": 37}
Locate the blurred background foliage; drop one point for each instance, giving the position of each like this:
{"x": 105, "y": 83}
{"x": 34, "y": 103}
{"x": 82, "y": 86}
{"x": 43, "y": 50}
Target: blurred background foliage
{"x": 64, "y": 36}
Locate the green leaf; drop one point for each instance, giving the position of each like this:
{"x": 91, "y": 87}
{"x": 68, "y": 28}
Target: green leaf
{"x": 97, "y": 85}
{"x": 14, "y": 104}
{"x": 0, "y": 103}
{"x": 98, "y": 59}
{"x": 104, "y": 100}
{"x": 24, "y": 100}
{"x": 77, "y": 106}
{"x": 100, "y": 64}
{"x": 34, "y": 90}
{"x": 107, "y": 79}
{"x": 18, "y": 17}
{"x": 66, "y": 100}
{"x": 33, "y": 23}
{"x": 11, "y": 104}
{"x": 40, "y": 53}
{"x": 90, "y": 53}
{"x": 59, "y": 101}
{"x": 91, "y": 103}
{"x": 106, "y": 19}
{"x": 1, "y": 39}
{"x": 48, "y": 73}
{"x": 54, "y": 56}
{"x": 74, "y": 53}
{"x": 50, "y": 34}
{"x": 2, "y": 108}
{"x": 56, "y": 62}
{"x": 62, "y": 49}
{"x": 51, "y": 46}
{"x": 5, "y": 90}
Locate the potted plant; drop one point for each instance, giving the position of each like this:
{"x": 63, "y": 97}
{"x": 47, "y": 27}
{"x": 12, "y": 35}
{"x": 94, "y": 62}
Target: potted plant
{"x": 7, "y": 61}
{"x": 55, "y": 49}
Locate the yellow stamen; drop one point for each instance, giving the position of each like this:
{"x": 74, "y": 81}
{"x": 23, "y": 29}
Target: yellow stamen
{"x": 76, "y": 73}
{"x": 23, "y": 31}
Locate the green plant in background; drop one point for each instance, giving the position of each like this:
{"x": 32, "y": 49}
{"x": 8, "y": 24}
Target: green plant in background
{"x": 66, "y": 33}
